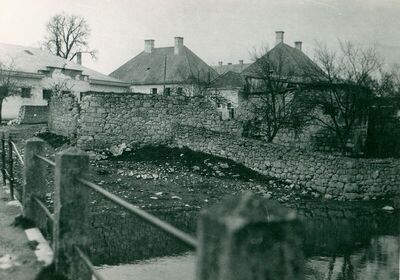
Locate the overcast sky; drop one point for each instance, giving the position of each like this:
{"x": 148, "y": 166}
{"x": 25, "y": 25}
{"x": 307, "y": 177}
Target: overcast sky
{"x": 225, "y": 30}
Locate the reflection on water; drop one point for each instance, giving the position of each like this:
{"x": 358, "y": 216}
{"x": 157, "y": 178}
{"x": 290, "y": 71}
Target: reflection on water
{"x": 340, "y": 243}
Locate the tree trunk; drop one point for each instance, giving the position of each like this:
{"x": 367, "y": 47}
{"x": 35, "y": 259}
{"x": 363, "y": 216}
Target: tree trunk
{"x": 1, "y": 107}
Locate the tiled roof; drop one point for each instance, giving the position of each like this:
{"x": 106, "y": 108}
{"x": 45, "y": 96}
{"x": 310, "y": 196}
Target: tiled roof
{"x": 35, "y": 60}
{"x": 237, "y": 68}
{"x": 293, "y": 62}
{"x": 230, "y": 79}
{"x": 148, "y": 68}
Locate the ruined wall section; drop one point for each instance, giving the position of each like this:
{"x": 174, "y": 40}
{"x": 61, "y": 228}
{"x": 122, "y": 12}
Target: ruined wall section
{"x": 111, "y": 119}
{"x": 63, "y": 115}
{"x": 328, "y": 174}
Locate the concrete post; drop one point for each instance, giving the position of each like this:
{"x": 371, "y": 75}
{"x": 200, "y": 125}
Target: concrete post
{"x": 248, "y": 237}
{"x": 34, "y": 181}
{"x": 70, "y": 214}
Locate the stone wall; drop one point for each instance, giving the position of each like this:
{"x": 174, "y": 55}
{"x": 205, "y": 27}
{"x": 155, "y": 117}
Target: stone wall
{"x": 29, "y": 114}
{"x": 331, "y": 175}
{"x": 109, "y": 119}
{"x": 63, "y": 115}
{"x": 102, "y": 120}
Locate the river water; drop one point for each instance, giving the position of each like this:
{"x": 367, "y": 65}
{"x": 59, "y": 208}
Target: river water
{"x": 340, "y": 241}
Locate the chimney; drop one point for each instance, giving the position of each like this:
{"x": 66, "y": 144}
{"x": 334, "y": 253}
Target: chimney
{"x": 148, "y": 45}
{"x": 178, "y": 48}
{"x": 220, "y": 63}
{"x": 279, "y": 37}
{"x": 79, "y": 58}
{"x": 298, "y": 44}
{"x": 241, "y": 62}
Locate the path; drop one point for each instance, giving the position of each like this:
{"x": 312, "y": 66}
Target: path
{"x": 17, "y": 259}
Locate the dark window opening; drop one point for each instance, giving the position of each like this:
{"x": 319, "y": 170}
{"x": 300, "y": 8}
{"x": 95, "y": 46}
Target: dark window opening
{"x": 46, "y": 94}
{"x": 231, "y": 113}
{"x": 179, "y": 90}
{"x": 153, "y": 91}
{"x": 25, "y": 92}
{"x": 167, "y": 91}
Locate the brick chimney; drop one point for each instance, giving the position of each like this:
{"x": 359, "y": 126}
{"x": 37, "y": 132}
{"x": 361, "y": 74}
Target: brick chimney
{"x": 241, "y": 61}
{"x": 148, "y": 45}
{"x": 220, "y": 63}
{"x": 298, "y": 44}
{"x": 279, "y": 37}
{"x": 178, "y": 47}
{"x": 79, "y": 58}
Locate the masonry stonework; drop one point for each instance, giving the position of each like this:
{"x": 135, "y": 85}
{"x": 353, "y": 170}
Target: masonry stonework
{"x": 109, "y": 119}
{"x": 102, "y": 120}
{"x": 327, "y": 174}
{"x": 63, "y": 115}
{"x": 29, "y": 114}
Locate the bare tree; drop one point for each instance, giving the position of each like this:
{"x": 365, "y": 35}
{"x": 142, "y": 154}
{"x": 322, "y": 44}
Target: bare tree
{"x": 342, "y": 98}
{"x": 8, "y": 84}
{"x": 67, "y": 35}
{"x": 273, "y": 91}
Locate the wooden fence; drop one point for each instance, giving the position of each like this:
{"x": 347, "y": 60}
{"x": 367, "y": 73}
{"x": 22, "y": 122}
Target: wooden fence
{"x": 243, "y": 237}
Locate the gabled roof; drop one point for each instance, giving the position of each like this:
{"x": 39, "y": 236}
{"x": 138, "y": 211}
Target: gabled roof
{"x": 35, "y": 61}
{"x": 149, "y": 68}
{"x": 228, "y": 80}
{"x": 237, "y": 68}
{"x": 293, "y": 63}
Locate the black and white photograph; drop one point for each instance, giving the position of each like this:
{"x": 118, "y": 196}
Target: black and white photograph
{"x": 200, "y": 140}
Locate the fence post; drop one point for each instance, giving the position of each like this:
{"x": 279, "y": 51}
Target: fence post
{"x": 249, "y": 237}
{"x": 70, "y": 214}
{"x": 34, "y": 181}
{"x": 11, "y": 166}
{"x": 3, "y": 158}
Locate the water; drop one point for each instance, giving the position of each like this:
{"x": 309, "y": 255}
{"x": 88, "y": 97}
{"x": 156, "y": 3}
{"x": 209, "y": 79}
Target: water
{"x": 341, "y": 242}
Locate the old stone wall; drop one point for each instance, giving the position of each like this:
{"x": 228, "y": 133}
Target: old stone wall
{"x": 63, "y": 115}
{"x": 109, "y": 119}
{"x": 29, "y": 114}
{"x": 335, "y": 176}
{"x": 102, "y": 120}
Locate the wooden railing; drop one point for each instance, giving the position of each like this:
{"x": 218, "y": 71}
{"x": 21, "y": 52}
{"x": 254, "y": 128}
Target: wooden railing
{"x": 244, "y": 237}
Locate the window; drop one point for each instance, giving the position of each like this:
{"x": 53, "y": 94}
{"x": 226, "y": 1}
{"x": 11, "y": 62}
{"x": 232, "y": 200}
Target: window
{"x": 231, "y": 113}
{"x": 167, "y": 91}
{"x": 25, "y": 92}
{"x": 46, "y": 94}
{"x": 153, "y": 90}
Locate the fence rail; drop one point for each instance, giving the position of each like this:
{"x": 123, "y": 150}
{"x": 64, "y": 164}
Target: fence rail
{"x": 171, "y": 230}
{"x": 229, "y": 245}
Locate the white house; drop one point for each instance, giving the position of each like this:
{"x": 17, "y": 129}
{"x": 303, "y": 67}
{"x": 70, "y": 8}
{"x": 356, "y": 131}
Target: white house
{"x": 36, "y": 72}
{"x": 165, "y": 70}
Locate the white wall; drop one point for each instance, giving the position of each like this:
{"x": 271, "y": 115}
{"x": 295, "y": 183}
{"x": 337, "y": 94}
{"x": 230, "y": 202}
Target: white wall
{"x": 147, "y": 88}
{"x": 75, "y": 85}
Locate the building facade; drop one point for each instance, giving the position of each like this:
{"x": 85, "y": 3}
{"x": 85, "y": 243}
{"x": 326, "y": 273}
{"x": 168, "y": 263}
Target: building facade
{"x": 37, "y": 74}
{"x": 166, "y": 70}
